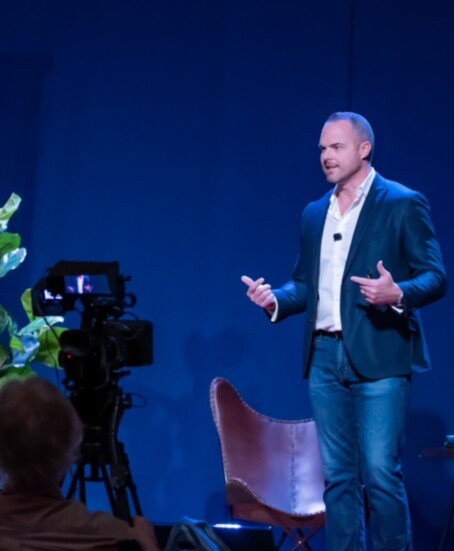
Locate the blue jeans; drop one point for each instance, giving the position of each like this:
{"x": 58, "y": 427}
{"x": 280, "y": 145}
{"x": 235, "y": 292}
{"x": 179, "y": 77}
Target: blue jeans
{"x": 360, "y": 426}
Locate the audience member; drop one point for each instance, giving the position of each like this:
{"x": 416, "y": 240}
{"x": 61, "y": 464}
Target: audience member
{"x": 40, "y": 433}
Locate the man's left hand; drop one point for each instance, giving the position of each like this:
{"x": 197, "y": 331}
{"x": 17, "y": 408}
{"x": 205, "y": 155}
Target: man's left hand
{"x": 381, "y": 290}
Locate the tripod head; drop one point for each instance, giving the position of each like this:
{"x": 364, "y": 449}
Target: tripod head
{"x": 100, "y": 409}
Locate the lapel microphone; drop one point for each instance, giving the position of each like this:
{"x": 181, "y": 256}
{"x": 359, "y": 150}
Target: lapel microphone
{"x": 337, "y": 236}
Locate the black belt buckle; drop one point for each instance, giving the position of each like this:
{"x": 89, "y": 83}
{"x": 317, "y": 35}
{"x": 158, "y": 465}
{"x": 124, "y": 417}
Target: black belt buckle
{"x": 330, "y": 334}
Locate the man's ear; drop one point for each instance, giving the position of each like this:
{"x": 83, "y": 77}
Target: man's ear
{"x": 365, "y": 149}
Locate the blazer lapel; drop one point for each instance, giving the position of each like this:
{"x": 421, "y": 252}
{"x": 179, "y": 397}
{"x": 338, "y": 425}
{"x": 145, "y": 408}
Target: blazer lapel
{"x": 317, "y": 225}
{"x": 375, "y": 196}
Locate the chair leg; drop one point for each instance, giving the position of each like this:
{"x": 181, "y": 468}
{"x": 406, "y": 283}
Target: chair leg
{"x": 298, "y": 538}
{"x": 282, "y": 539}
{"x": 302, "y": 542}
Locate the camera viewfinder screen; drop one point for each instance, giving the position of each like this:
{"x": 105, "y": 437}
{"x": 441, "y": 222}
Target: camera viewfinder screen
{"x": 87, "y": 284}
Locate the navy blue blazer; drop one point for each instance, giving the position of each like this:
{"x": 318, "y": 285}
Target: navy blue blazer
{"x": 394, "y": 226}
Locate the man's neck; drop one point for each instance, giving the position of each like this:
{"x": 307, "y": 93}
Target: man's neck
{"x": 346, "y": 191}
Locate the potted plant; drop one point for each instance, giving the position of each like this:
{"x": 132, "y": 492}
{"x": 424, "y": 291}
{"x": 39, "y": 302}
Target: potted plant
{"x": 38, "y": 341}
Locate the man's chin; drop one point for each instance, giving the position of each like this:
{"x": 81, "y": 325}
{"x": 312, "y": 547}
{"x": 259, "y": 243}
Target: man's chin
{"x": 330, "y": 178}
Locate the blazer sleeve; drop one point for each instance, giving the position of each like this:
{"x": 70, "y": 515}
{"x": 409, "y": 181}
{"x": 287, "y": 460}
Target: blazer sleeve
{"x": 292, "y": 296}
{"x": 428, "y": 281}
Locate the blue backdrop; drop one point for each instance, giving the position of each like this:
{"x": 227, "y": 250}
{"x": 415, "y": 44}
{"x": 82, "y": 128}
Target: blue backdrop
{"x": 180, "y": 138}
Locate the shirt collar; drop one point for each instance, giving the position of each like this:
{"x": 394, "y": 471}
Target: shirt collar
{"x": 362, "y": 189}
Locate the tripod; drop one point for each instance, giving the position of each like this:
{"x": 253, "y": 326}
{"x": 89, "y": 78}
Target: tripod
{"x": 101, "y": 413}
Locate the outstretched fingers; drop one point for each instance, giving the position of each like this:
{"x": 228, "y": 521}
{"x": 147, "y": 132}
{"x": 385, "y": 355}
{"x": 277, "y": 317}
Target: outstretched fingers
{"x": 259, "y": 292}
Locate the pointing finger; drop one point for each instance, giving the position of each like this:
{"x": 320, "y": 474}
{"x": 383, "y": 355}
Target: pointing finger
{"x": 247, "y": 280}
{"x": 251, "y": 283}
{"x": 360, "y": 280}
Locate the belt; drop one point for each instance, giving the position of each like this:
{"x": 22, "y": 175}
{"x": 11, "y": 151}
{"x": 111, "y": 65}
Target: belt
{"x": 331, "y": 334}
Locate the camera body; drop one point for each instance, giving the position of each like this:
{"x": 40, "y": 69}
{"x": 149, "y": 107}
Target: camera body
{"x": 93, "y": 355}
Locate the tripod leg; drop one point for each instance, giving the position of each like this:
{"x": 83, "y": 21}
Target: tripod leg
{"x": 101, "y": 450}
{"x": 77, "y": 478}
{"x": 109, "y": 491}
{"x": 122, "y": 482}
{"x": 120, "y": 471}
{"x": 135, "y": 497}
{"x": 129, "y": 482}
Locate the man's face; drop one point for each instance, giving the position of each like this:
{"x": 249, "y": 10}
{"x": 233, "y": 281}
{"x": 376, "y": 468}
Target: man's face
{"x": 342, "y": 152}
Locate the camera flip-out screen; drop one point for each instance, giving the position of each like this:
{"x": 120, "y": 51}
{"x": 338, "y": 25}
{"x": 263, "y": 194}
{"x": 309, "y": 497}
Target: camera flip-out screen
{"x": 98, "y": 282}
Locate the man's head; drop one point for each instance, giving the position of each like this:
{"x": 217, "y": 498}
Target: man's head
{"x": 346, "y": 144}
{"x": 40, "y": 433}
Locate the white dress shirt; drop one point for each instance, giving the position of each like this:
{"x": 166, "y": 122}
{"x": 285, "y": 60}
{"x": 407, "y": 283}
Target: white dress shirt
{"x": 336, "y": 240}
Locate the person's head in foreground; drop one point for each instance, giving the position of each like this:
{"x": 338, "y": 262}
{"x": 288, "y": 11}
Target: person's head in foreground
{"x": 40, "y": 433}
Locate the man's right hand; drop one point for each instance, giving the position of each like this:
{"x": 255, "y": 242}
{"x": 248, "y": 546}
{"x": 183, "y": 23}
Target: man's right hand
{"x": 260, "y": 293}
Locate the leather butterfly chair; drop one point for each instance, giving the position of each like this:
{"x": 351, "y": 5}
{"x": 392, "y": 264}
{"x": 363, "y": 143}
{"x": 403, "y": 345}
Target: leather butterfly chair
{"x": 272, "y": 467}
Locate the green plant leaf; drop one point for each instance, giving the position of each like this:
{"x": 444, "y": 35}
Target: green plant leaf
{"x": 6, "y": 321}
{"x": 23, "y": 349}
{"x": 8, "y": 209}
{"x": 11, "y": 260}
{"x": 26, "y": 299}
{"x": 49, "y": 347}
{"x": 9, "y": 242}
{"x": 39, "y": 326}
{"x": 42, "y": 327}
{"x": 5, "y": 357}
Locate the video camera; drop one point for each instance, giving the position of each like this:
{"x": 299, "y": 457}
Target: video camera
{"x": 93, "y": 355}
